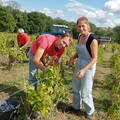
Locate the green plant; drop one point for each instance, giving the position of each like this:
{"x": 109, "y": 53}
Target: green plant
{"x": 50, "y": 90}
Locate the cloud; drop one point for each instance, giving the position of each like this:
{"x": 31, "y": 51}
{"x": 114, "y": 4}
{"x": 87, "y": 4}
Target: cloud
{"x": 3, "y": 2}
{"x": 112, "y": 6}
{"x": 59, "y": 13}
{"x": 100, "y": 17}
{"x": 108, "y": 22}
{"x": 75, "y": 9}
{"x": 54, "y": 14}
{"x": 47, "y": 11}
{"x": 76, "y": 4}
{"x": 73, "y": 3}
{"x": 106, "y": 17}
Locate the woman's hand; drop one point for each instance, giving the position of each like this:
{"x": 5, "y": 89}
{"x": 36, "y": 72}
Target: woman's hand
{"x": 80, "y": 74}
{"x": 72, "y": 59}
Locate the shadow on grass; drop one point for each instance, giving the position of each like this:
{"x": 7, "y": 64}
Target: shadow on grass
{"x": 64, "y": 108}
{"x": 102, "y": 105}
{"x": 10, "y": 90}
{"x": 99, "y": 84}
{"x": 104, "y": 84}
{"x": 106, "y": 64}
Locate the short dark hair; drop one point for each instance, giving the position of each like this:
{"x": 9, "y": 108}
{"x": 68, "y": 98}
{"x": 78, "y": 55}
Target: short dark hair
{"x": 68, "y": 34}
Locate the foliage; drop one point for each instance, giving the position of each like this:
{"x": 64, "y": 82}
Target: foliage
{"x": 50, "y": 90}
{"x": 7, "y": 21}
{"x": 9, "y": 48}
{"x": 33, "y": 22}
{"x": 100, "y": 54}
{"x": 116, "y": 35}
{"x": 114, "y": 110}
{"x": 21, "y": 20}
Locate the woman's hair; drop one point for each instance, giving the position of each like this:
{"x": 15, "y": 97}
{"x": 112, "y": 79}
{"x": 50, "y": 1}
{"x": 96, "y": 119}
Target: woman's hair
{"x": 85, "y": 20}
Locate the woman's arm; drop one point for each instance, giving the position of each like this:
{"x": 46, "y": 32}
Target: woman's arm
{"x": 94, "y": 51}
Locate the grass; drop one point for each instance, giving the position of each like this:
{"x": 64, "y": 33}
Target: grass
{"x": 13, "y": 80}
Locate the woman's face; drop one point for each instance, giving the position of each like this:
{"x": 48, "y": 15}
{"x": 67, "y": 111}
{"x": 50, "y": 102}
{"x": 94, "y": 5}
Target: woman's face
{"x": 82, "y": 27}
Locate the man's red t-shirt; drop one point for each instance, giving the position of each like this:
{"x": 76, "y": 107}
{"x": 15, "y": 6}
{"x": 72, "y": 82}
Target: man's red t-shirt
{"x": 23, "y": 39}
{"x": 48, "y": 43}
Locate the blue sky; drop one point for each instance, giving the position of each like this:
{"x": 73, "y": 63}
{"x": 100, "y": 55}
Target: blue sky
{"x": 103, "y": 13}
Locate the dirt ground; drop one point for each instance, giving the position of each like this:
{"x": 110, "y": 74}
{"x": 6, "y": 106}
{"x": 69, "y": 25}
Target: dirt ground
{"x": 100, "y": 93}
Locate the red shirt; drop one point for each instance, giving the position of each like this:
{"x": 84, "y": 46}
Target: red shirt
{"x": 23, "y": 39}
{"x": 48, "y": 43}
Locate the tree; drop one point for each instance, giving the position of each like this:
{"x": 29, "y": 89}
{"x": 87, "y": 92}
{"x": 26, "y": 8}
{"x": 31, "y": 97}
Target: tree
{"x": 93, "y": 27}
{"x": 39, "y": 21}
{"x": 116, "y": 34}
{"x": 7, "y": 21}
{"x": 21, "y": 20}
{"x": 49, "y": 23}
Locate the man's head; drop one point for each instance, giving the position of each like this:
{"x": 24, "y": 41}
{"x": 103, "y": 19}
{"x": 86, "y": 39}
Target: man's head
{"x": 20, "y": 30}
{"x": 64, "y": 41}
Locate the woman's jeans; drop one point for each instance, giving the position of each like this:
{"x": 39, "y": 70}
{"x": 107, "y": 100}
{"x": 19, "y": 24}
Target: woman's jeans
{"x": 82, "y": 91}
{"x": 32, "y": 70}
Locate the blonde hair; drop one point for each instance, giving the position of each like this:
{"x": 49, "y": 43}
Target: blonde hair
{"x": 85, "y": 19}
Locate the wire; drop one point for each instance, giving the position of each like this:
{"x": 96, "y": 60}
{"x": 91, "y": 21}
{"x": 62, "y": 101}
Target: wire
{"x": 11, "y": 83}
{"x": 23, "y": 89}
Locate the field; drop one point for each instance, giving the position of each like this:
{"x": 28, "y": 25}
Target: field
{"x": 12, "y": 86}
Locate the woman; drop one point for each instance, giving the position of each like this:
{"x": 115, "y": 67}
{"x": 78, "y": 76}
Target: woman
{"x": 86, "y": 55}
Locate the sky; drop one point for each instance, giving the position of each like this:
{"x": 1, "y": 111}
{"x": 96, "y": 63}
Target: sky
{"x": 102, "y": 13}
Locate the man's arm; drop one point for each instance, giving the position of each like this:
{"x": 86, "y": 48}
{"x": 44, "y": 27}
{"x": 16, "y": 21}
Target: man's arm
{"x": 37, "y": 57}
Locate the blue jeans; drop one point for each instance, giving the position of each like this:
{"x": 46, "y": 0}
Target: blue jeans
{"x": 32, "y": 70}
{"x": 82, "y": 90}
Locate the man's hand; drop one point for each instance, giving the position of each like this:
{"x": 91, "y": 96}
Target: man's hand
{"x": 52, "y": 61}
{"x": 71, "y": 61}
{"x": 20, "y": 48}
{"x": 43, "y": 69}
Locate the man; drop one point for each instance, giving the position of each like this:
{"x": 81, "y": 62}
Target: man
{"x": 23, "y": 40}
{"x": 44, "y": 47}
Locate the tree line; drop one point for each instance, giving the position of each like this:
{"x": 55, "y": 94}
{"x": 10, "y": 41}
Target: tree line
{"x": 11, "y": 18}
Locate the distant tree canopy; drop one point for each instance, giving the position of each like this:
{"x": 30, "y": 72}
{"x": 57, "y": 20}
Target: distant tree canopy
{"x": 7, "y": 21}
{"x": 116, "y": 35}
{"x": 11, "y": 18}
{"x": 38, "y": 22}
